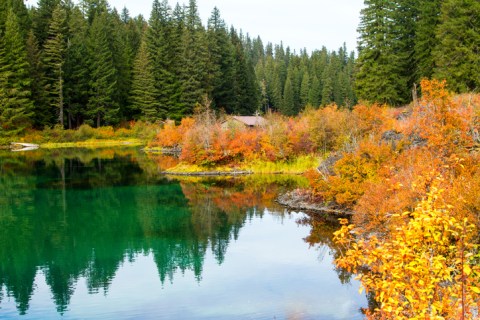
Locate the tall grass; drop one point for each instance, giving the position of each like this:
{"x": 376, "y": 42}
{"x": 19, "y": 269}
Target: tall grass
{"x": 86, "y": 135}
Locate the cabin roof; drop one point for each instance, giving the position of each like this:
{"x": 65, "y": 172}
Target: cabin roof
{"x": 250, "y": 121}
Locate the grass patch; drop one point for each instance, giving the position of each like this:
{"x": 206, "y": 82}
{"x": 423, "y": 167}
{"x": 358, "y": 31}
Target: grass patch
{"x": 92, "y": 143}
{"x": 295, "y": 166}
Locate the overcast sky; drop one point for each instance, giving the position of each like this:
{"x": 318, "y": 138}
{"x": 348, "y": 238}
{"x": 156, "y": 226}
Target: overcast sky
{"x": 308, "y": 24}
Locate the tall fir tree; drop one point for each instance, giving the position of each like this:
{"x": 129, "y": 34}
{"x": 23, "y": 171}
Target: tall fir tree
{"x": 93, "y": 8}
{"x": 102, "y": 108}
{"x": 328, "y": 80}
{"x": 245, "y": 87}
{"x": 41, "y": 19}
{"x": 54, "y": 59}
{"x": 177, "y": 51}
{"x": 305, "y": 88}
{"x": 221, "y": 63}
{"x": 122, "y": 61}
{"x": 379, "y": 76}
{"x": 288, "y": 107}
{"x": 15, "y": 96}
{"x": 315, "y": 93}
{"x": 405, "y": 16}
{"x": 77, "y": 74}
{"x": 425, "y": 38}
{"x": 193, "y": 73}
{"x": 143, "y": 93}
{"x": 159, "y": 50}
{"x": 43, "y": 114}
{"x": 457, "y": 54}
{"x": 20, "y": 10}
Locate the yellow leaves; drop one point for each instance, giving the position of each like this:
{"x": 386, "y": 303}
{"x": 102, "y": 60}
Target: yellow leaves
{"x": 475, "y": 289}
{"x": 467, "y": 270}
{"x": 418, "y": 270}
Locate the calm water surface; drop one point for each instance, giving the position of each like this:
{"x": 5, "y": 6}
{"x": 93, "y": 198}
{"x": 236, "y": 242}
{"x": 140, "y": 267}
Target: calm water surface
{"x": 101, "y": 235}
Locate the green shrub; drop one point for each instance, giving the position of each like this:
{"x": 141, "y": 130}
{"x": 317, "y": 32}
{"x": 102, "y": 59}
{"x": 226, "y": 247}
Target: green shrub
{"x": 85, "y": 132}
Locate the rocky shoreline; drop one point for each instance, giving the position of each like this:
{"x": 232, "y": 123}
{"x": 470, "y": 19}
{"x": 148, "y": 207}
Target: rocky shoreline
{"x": 301, "y": 200}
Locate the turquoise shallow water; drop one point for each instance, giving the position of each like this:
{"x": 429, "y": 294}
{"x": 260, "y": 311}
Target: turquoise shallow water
{"x": 102, "y": 236}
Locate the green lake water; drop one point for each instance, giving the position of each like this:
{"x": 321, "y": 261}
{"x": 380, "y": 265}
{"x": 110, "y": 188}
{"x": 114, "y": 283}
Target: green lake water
{"x": 102, "y": 235}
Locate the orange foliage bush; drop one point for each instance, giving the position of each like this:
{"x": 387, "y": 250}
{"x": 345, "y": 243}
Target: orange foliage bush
{"x": 204, "y": 140}
{"x": 414, "y": 194}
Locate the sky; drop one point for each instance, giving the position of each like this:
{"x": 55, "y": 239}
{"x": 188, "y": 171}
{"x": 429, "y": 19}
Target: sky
{"x": 299, "y": 24}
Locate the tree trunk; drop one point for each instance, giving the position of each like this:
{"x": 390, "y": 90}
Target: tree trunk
{"x": 60, "y": 102}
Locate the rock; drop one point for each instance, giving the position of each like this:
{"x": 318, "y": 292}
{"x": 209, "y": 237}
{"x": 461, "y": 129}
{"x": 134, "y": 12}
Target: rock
{"x": 301, "y": 200}
{"x": 392, "y": 135}
{"x": 326, "y": 166}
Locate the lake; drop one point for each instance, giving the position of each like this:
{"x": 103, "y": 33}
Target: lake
{"x": 102, "y": 235}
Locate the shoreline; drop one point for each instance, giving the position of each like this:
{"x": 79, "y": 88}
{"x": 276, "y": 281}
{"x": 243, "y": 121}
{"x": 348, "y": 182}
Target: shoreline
{"x": 299, "y": 200}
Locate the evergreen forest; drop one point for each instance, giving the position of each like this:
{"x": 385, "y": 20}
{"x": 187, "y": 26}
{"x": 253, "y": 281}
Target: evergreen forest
{"x": 66, "y": 63}
{"x": 69, "y": 64}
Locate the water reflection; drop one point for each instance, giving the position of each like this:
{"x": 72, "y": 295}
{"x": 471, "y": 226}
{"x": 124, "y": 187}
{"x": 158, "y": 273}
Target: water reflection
{"x": 80, "y": 215}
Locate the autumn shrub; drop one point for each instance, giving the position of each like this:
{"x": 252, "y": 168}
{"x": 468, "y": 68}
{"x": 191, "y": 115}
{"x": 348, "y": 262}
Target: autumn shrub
{"x": 171, "y": 136}
{"x": 106, "y": 132}
{"x": 447, "y": 124}
{"x": 352, "y": 173}
{"x": 414, "y": 194}
{"x": 369, "y": 118}
{"x": 85, "y": 132}
{"x": 425, "y": 268}
{"x": 329, "y": 127}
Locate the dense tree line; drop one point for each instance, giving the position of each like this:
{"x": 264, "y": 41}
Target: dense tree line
{"x": 289, "y": 82}
{"x": 402, "y": 42}
{"x": 66, "y": 64}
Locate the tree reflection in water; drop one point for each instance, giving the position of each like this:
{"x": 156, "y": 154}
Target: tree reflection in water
{"x": 76, "y": 214}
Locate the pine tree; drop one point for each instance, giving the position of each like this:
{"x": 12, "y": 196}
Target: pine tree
{"x": 379, "y": 76}
{"x": 43, "y": 113}
{"x": 41, "y": 19}
{"x": 93, "y": 8}
{"x": 54, "y": 60}
{"x": 315, "y": 93}
{"x": 458, "y": 51}
{"x": 158, "y": 42}
{"x": 296, "y": 82}
{"x": 268, "y": 80}
{"x": 177, "y": 50}
{"x": 122, "y": 60}
{"x": 425, "y": 39}
{"x": 20, "y": 10}
{"x": 143, "y": 93}
{"x": 405, "y": 16}
{"x": 193, "y": 73}
{"x": 245, "y": 87}
{"x": 305, "y": 89}
{"x": 288, "y": 99}
{"x": 101, "y": 105}
{"x": 15, "y": 103}
{"x": 328, "y": 81}
{"x": 76, "y": 69}
{"x": 221, "y": 64}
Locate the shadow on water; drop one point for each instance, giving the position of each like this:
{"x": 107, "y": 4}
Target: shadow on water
{"x": 80, "y": 214}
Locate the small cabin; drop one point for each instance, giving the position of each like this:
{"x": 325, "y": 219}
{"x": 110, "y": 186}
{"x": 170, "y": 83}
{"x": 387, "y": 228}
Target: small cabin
{"x": 243, "y": 122}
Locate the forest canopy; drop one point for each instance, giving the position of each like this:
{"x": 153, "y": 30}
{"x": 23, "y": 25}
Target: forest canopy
{"x": 68, "y": 63}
